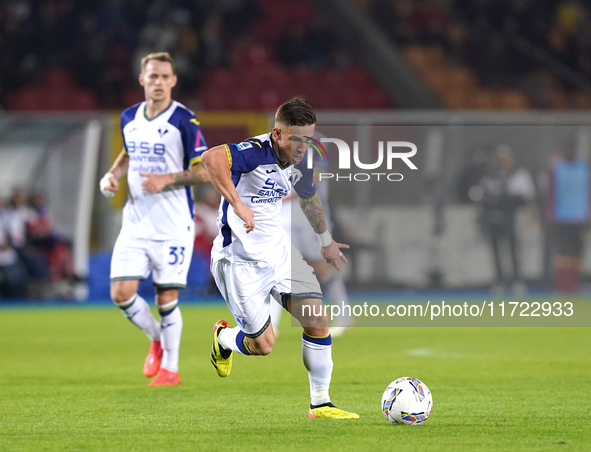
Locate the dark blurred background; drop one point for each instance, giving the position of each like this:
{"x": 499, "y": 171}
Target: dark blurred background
{"x": 463, "y": 73}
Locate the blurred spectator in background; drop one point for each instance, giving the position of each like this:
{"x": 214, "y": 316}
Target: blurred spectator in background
{"x": 16, "y": 217}
{"x": 206, "y": 228}
{"x": 504, "y": 190}
{"x": 206, "y": 213}
{"x": 471, "y": 174}
{"x": 13, "y": 276}
{"x": 53, "y": 249}
{"x": 36, "y": 263}
{"x": 568, "y": 212}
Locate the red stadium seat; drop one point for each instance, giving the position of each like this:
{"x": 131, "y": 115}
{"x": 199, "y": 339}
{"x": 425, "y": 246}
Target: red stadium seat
{"x": 246, "y": 56}
{"x": 58, "y": 77}
{"x": 216, "y": 100}
{"x": 271, "y": 99}
{"x": 222, "y": 79}
{"x": 27, "y": 99}
{"x": 56, "y": 100}
{"x": 133, "y": 95}
{"x": 82, "y": 100}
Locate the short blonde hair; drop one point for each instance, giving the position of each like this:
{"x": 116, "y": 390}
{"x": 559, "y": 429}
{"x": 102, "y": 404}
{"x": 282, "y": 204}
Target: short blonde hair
{"x": 159, "y": 56}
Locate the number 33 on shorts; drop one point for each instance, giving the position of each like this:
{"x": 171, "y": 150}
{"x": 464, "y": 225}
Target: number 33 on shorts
{"x": 177, "y": 254}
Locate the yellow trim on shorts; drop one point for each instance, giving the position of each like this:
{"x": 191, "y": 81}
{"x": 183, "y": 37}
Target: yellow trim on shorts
{"x": 309, "y": 199}
{"x": 228, "y": 154}
{"x": 261, "y": 331}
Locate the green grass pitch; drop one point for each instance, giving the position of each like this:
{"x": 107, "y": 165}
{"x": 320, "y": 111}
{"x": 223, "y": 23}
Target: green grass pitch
{"x": 71, "y": 379}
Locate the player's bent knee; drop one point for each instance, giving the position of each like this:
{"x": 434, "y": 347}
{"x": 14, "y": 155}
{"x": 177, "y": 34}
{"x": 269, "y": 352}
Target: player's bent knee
{"x": 120, "y": 293}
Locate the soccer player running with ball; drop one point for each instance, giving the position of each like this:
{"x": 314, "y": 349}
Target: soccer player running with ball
{"x": 163, "y": 143}
{"x": 253, "y": 258}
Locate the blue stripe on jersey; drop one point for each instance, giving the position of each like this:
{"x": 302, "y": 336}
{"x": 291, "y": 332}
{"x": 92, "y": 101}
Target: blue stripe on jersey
{"x": 186, "y": 122}
{"x": 226, "y": 230}
{"x": 318, "y": 340}
{"x": 188, "y": 190}
{"x": 189, "y": 199}
{"x": 305, "y": 187}
{"x": 127, "y": 116}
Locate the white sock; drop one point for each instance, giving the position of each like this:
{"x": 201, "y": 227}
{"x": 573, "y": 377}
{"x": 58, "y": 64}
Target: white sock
{"x": 317, "y": 356}
{"x": 170, "y": 335}
{"x": 233, "y": 339}
{"x": 137, "y": 311}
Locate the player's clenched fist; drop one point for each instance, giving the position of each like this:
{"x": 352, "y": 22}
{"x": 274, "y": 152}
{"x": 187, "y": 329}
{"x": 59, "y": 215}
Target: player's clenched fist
{"x": 246, "y": 215}
{"x": 109, "y": 185}
{"x": 155, "y": 182}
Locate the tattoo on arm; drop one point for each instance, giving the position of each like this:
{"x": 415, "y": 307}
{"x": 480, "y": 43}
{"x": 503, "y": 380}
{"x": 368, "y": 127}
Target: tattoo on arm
{"x": 315, "y": 214}
{"x": 193, "y": 176}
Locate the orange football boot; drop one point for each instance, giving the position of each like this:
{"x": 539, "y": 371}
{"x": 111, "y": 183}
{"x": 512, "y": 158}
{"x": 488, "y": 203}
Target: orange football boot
{"x": 153, "y": 360}
{"x": 166, "y": 378}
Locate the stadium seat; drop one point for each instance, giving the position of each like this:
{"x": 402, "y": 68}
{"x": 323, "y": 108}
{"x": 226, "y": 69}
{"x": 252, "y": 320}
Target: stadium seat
{"x": 357, "y": 77}
{"x": 484, "y": 100}
{"x": 82, "y": 100}
{"x": 458, "y": 97}
{"x": 417, "y": 55}
{"x": 558, "y": 99}
{"x": 513, "y": 100}
{"x": 220, "y": 78}
{"x": 377, "y": 99}
{"x": 216, "y": 100}
{"x": 58, "y": 77}
{"x": 270, "y": 99}
{"x": 247, "y": 56}
{"x": 133, "y": 95}
{"x": 27, "y": 99}
{"x": 57, "y": 99}
{"x": 581, "y": 100}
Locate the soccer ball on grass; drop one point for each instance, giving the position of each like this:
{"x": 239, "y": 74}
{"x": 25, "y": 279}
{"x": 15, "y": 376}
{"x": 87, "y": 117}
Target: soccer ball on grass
{"x": 407, "y": 401}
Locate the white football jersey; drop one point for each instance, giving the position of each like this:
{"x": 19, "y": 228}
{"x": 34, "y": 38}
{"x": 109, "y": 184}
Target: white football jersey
{"x": 169, "y": 143}
{"x": 261, "y": 183}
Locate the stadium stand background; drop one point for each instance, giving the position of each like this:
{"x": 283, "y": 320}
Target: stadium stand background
{"x": 65, "y": 55}
{"x": 361, "y": 63}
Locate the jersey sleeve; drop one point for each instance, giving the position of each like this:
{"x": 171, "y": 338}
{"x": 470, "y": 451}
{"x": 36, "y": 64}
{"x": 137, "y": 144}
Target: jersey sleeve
{"x": 123, "y": 122}
{"x": 244, "y": 157}
{"x": 305, "y": 187}
{"x": 127, "y": 116}
{"x": 193, "y": 140}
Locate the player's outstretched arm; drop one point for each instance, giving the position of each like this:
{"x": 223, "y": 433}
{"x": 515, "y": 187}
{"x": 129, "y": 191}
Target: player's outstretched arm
{"x": 109, "y": 184}
{"x": 218, "y": 168}
{"x": 158, "y": 182}
{"x": 329, "y": 249}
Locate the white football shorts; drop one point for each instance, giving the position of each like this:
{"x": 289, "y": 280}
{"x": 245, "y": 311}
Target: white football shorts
{"x": 248, "y": 287}
{"x": 168, "y": 260}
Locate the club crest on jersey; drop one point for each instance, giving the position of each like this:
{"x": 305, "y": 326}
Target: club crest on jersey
{"x": 295, "y": 176}
{"x": 244, "y": 145}
{"x": 162, "y": 131}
